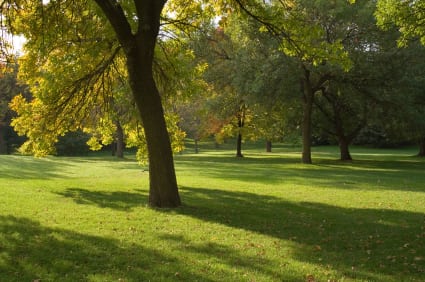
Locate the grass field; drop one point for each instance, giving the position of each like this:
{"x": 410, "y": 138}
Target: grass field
{"x": 265, "y": 217}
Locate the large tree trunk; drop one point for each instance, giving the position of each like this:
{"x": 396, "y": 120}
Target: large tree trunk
{"x": 139, "y": 50}
{"x": 344, "y": 149}
{"x": 421, "y": 147}
{"x": 163, "y": 184}
{"x": 119, "y": 152}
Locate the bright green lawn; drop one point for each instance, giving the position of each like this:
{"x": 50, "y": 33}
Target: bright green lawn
{"x": 265, "y": 217}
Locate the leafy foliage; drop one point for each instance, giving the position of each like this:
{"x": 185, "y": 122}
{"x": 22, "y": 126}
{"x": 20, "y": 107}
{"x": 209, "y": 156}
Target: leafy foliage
{"x": 407, "y": 15}
{"x": 78, "y": 77}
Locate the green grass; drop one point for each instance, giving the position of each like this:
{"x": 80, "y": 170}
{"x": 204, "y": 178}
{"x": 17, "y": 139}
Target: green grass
{"x": 265, "y": 217}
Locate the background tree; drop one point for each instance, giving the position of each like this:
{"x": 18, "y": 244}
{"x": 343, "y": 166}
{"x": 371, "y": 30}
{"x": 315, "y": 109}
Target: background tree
{"x": 406, "y": 122}
{"x": 408, "y": 17}
{"x": 351, "y": 99}
{"x": 215, "y": 49}
{"x": 267, "y": 76}
{"x": 303, "y": 28}
{"x": 253, "y": 81}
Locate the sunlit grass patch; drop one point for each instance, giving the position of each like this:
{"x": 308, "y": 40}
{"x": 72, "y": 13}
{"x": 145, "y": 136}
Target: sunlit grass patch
{"x": 264, "y": 217}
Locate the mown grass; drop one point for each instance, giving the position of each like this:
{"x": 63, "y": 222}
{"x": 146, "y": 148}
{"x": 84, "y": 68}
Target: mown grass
{"x": 265, "y": 217}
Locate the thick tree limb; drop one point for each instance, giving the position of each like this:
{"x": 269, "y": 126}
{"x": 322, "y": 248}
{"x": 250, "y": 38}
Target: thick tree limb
{"x": 116, "y": 16}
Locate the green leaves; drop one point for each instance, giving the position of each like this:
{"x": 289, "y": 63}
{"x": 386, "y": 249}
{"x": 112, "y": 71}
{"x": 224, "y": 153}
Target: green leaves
{"x": 408, "y": 16}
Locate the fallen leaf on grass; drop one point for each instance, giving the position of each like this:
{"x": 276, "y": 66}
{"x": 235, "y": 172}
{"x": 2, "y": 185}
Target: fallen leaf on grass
{"x": 418, "y": 258}
{"x": 310, "y": 278}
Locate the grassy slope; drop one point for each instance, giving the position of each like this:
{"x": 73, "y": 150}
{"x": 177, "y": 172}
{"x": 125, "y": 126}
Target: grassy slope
{"x": 265, "y": 217}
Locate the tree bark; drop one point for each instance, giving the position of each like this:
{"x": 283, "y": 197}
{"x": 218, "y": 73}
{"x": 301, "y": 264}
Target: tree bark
{"x": 421, "y": 147}
{"x": 268, "y": 146}
{"x": 163, "y": 184}
{"x": 241, "y": 124}
{"x": 139, "y": 50}
{"x": 3, "y": 143}
{"x": 308, "y": 99}
{"x": 119, "y": 152}
{"x": 239, "y": 146}
{"x": 113, "y": 148}
{"x": 196, "y": 146}
{"x": 344, "y": 150}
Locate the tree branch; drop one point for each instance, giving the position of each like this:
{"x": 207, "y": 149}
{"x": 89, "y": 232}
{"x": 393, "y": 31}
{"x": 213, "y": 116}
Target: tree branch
{"x": 116, "y": 16}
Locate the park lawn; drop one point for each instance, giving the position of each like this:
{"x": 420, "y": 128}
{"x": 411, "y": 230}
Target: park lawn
{"x": 264, "y": 217}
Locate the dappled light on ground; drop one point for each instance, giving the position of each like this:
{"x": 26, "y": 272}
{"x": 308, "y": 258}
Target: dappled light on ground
{"x": 258, "y": 218}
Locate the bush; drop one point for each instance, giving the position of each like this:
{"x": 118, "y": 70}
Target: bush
{"x": 73, "y": 144}
{"x": 10, "y": 140}
{"x": 378, "y": 138}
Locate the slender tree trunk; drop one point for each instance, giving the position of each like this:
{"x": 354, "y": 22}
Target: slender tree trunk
{"x": 119, "y": 153}
{"x": 308, "y": 99}
{"x": 268, "y": 146}
{"x": 343, "y": 140}
{"x": 421, "y": 147}
{"x": 344, "y": 149}
{"x": 239, "y": 146}
{"x": 241, "y": 123}
{"x": 196, "y": 146}
{"x": 139, "y": 50}
{"x": 3, "y": 143}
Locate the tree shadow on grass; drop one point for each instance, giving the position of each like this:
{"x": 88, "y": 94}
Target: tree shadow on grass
{"x": 239, "y": 261}
{"x": 250, "y": 169}
{"x": 403, "y": 175}
{"x": 358, "y": 243}
{"x": 32, "y": 252}
{"x": 117, "y": 200}
{"x": 110, "y": 161}
{"x": 25, "y": 167}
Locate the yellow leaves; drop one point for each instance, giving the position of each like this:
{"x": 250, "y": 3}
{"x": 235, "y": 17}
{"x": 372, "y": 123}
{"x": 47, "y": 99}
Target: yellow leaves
{"x": 263, "y": 28}
{"x": 176, "y": 134}
{"x": 29, "y": 114}
{"x": 18, "y": 103}
{"x": 135, "y": 137}
{"x": 32, "y": 123}
{"x": 201, "y": 67}
{"x": 226, "y": 131}
{"x": 94, "y": 144}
